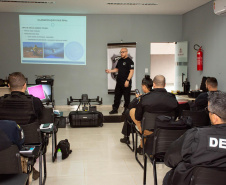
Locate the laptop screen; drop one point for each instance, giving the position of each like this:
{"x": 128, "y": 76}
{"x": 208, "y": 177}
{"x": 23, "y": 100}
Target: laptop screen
{"x": 41, "y": 91}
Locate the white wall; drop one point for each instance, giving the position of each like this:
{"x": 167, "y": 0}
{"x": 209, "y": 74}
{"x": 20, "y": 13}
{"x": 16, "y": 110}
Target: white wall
{"x": 201, "y": 26}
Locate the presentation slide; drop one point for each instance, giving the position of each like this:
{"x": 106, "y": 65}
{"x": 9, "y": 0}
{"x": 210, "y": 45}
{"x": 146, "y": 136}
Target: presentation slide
{"x": 53, "y": 39}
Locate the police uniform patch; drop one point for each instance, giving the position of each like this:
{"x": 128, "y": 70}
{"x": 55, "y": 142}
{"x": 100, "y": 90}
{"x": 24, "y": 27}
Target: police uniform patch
{"x": 22, "y": 134}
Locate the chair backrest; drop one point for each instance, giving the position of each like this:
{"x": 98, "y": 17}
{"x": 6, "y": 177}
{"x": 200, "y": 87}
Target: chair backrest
{"x": 163, "y": 139}
{"x": 199, "y": 118}
{"x": 10, "y": 162}
{"x": 148, "y": 120}
{"x": 47, "y": 115}
{"x": 210, "y": 176}
{"x": 18, "y": 108}
{"x": 31, "y": 133}
{"x": 203, "y": 84}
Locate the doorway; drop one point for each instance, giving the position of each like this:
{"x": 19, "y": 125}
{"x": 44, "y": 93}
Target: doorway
{"x": 170, "y": 60}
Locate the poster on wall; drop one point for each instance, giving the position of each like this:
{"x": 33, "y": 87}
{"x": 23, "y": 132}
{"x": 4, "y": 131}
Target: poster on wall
{"x": 113, "y": 54}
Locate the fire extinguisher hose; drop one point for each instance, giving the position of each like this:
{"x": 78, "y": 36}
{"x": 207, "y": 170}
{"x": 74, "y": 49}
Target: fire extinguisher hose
{"x": 195, "y": 47}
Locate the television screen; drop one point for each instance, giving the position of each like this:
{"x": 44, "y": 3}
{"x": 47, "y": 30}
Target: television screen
{"x": 41, "y": 91}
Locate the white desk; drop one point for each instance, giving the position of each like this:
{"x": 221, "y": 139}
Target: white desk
{"x": 183, "y": 98}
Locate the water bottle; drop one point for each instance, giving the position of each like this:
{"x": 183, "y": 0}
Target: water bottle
{"x": 196, "y": 87}
{"x": 59, "y": 155}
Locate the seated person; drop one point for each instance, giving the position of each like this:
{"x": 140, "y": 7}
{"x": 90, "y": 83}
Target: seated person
{"x": 146, "y": 86}
{"x": 17, "y": 84}
{"x": 9, "y": 110}
{"x": 202, "y": 100}
{"x": 158, "y": 100}
{"x": 10, "y": 133}
{"x": 199, "y": 146}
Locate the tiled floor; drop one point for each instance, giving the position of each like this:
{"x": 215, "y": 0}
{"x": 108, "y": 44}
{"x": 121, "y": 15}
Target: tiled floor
{"x": 98, "y": 158}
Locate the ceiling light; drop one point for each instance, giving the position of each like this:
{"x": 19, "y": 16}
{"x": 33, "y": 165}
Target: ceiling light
{"x": 143, "y": 4}
{"x": 45, "y": 2}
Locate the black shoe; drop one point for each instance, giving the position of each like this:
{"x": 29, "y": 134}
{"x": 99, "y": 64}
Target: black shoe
{"x": 140, "y": 150}
{"x": 113, "y": 111}
{"x": 35, "y": 174}
{"x": 125, "y": 140}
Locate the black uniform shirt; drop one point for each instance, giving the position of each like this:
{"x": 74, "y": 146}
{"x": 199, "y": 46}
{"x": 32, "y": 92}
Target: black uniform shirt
{"x": 124, "y": 66}
{"x": 201, "y": 101}
{"x": 10, "y": 133}
{"x": 158, "y": 100}
{"x": 197, "y": 147}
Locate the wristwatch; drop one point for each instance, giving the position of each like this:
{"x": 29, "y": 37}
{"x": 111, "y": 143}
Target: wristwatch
{"x": 127, "y": 80}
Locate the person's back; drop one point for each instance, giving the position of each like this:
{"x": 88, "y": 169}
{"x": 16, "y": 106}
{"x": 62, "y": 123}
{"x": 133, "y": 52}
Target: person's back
{"x": 10, "y": 133}
{"x": 17, "y": 106}
{"x": 199, "y": 146}
{"x": 158, "y": 100}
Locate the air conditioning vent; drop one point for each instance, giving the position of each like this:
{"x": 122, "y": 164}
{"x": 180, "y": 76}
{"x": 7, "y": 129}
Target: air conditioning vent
{"x": 219, "y": 7}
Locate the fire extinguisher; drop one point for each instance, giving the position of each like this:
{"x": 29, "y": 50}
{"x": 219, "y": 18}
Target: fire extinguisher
{"x": 199, "y": 57}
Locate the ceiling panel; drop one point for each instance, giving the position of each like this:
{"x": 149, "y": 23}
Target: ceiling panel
{"x": 171, "y": 7}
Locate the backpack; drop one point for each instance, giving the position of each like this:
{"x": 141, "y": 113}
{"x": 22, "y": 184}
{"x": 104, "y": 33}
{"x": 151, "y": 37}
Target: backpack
{"x": 167, "y": 122}
{"x": 64, "y": 146}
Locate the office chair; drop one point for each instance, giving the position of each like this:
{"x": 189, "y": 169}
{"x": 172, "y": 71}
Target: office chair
{"x": 21, "y": 110}
{"x": 33, "y": 136}
{"x": 147, "y": 123}
{"x": 48, "y": 117}
{"x": 162, "y": 140}
{"x": 11, "y": 170}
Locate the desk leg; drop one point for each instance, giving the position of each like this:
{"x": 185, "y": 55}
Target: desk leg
{"x": 40, "y": 168}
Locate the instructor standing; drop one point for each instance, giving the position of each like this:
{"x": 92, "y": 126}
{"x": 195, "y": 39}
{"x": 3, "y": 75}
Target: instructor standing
{"x": 125, "y": 69}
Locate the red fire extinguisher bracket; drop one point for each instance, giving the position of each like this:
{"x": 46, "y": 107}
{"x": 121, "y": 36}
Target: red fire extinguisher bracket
{"x": 199, "y": 57}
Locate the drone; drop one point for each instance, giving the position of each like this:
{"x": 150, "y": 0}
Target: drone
{"x": 84, "y": 100}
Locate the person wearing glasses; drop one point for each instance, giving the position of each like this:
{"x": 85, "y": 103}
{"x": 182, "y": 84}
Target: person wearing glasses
{"x": 125, "y": 70}
{"x": 204, "y": 146}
